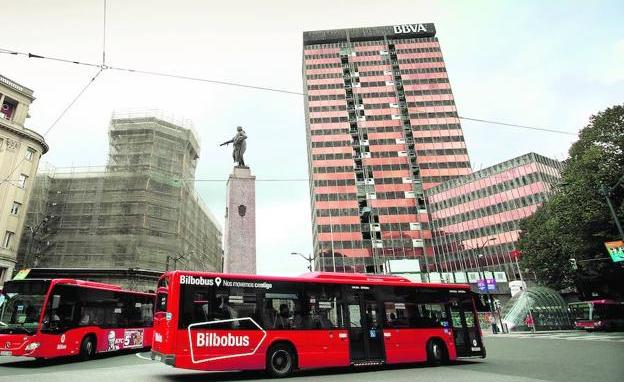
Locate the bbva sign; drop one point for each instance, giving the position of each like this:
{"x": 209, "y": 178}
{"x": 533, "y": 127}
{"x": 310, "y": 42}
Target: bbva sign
{"x": 409, "y": 28}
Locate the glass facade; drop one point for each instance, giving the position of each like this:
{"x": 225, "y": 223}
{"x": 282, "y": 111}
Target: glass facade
{"x": 382, "y": 128}
{"x": 479, "y": 214}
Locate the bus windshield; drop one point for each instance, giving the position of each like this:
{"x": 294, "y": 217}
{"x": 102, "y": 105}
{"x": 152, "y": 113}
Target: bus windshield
{"x": 581, "y": 311}
{"x": 20, "y": 306}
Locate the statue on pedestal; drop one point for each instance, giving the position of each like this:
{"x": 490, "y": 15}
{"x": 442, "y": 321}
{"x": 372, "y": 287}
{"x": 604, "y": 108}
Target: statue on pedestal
{"x": 240, "y": 144}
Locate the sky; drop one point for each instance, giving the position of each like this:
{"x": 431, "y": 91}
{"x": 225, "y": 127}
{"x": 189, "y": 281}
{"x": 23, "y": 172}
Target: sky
{"x": 546, "y": 64}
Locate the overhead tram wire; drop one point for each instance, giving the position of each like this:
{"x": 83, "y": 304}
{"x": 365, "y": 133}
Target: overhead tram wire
{"x": 60, "y": 116}
{"x": 519, "y": 126}
{"x": 183, "y": 77}
{"x": 242, "y": 85}
{"x": 84, "y": 89}
{"x": 38, "y": 56}
{"x": 104, "y": 37}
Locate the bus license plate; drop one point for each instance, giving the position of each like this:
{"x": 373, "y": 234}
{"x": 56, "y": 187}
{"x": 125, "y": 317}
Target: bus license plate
{"x": 6, "y": 352}
{"x": 157, "y": 358}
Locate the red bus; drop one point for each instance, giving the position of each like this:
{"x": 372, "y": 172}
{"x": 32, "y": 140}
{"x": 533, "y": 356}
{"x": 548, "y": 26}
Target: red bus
{"x": 66, "y": 317}
{"x": 598, "y": 315}
{"x": 211, "y": 321}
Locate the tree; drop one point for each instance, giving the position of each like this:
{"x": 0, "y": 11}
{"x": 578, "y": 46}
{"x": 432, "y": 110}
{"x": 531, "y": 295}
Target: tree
{"x": 575, "y": 222}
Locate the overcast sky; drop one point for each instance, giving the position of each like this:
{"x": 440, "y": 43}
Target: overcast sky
{"x": 549, "y": 64}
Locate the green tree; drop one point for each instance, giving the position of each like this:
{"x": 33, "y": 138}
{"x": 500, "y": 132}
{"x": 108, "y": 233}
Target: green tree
{"x": 576, "y": 221}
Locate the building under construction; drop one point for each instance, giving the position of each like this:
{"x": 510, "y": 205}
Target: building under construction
{"x": 140, "y": 211}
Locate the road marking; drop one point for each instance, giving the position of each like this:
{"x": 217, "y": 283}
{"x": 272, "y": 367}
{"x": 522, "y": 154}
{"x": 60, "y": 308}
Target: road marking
{"x": 143, "y": 357}
{"x": 605, "y": 337}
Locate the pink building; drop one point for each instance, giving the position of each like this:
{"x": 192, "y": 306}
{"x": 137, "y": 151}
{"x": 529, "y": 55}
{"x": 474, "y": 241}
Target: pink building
{"x": 478, "y": 214}
{"x": 382, "y": 128}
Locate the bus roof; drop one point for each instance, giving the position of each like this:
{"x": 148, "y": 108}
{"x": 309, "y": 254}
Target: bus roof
{"x": 84, "y": 283}
{"x": 597, "y": 302}
{"x": 328, "y": 277}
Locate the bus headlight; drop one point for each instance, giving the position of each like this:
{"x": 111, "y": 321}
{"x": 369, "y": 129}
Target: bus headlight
{"x": 32, "y": 346}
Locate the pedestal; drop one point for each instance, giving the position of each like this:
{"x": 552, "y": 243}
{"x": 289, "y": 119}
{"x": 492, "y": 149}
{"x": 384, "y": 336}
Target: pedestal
{"x": 239, "y": 239}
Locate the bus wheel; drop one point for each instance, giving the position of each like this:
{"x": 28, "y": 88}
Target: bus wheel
{"x": 436, "y": 353}
{"x": 87, "y": 348}
{"x": 280, "y": 361}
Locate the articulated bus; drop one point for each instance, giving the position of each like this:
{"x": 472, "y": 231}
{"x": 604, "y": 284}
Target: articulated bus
{"x": 598, "y": 315}
{"x": 219, "y": 322}
{"x": 67, "y": 317}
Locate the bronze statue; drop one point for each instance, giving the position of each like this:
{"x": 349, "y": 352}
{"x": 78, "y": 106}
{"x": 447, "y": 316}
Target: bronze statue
{"x": 240, "y": 145}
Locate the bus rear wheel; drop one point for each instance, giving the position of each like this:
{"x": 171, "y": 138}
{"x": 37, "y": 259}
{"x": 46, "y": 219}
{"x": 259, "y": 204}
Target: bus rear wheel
{"x": 280, "y": 361}
{"x": 436, "y": 353}
{"x": 87, "y": 348}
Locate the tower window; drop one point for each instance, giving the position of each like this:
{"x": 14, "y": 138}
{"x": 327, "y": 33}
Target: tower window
{"x": 7, "y": 110}
{"x": 30, "y": 152}
{"x": 15, "y": 208}
{"x": 21, "y": 181}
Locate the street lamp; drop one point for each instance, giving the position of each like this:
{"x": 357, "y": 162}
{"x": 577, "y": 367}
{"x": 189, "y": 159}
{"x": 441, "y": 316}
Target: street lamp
{"x": 309, "y": 258}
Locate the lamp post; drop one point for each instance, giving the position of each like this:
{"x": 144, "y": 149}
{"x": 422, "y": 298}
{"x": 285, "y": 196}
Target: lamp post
{"x": 482, "y": 272}
{"x": 527, "y": 297}
{"x": 606, "y": 192}
{"x": 309, "y": 259}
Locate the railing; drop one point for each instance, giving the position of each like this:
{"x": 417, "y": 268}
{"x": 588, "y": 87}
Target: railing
{"x": 14, "y": 85}
{"x": 155, "y": 113}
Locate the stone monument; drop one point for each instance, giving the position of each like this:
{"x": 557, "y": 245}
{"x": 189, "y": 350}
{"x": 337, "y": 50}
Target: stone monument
{"x": 239, "y": 238}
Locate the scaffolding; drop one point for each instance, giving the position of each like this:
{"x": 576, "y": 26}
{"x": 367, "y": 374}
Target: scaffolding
{"x": 134, "y": 213}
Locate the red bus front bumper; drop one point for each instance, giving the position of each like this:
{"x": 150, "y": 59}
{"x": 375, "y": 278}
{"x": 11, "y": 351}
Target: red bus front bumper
{"x": 167, "y": 359}
{"x": 19, "y": 345}
{"x": 589, "y": 325}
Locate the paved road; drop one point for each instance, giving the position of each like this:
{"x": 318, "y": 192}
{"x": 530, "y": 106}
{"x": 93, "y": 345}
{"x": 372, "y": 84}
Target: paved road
{"x": 559, "y": 357}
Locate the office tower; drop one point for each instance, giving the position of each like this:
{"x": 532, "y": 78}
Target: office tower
{"x": 382, "y": 128}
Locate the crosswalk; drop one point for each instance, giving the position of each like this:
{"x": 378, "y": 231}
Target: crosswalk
{"x": 570, "y": 336}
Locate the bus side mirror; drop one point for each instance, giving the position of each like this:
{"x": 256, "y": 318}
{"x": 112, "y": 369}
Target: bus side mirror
{"x": 56, "y": 301}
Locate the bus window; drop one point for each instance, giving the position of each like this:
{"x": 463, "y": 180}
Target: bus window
{"x": 355, "y": 316}
{"x": 320, "y": 308}
{"x": 469, "y": 311}
{"x": 20, "y": 306}
{"x": 147, "y": 311}
{"x": 282, "y": 311}
{"x": 202, "y": 305}
{"x": 399, "y": 314}
{"x": 163, "y": 282}
{"x": 66, "y": 315}
{"x": 239, "y": 303}
{"x": 161, "y": 302}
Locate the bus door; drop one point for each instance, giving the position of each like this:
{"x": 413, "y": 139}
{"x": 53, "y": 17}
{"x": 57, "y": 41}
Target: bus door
{"x": 365, "y": 334}
{"x": 465, "y": 330}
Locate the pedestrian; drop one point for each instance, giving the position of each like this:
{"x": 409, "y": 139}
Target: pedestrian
{"x": 529, "y": 321}
{"x": 493, "y": 324}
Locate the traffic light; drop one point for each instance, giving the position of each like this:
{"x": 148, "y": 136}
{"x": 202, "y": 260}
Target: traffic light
{"x": 573, "y": 264}
{"x": 497, "y": 304}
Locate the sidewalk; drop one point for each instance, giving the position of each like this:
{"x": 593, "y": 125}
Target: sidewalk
{"x": 490, "y": 334}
